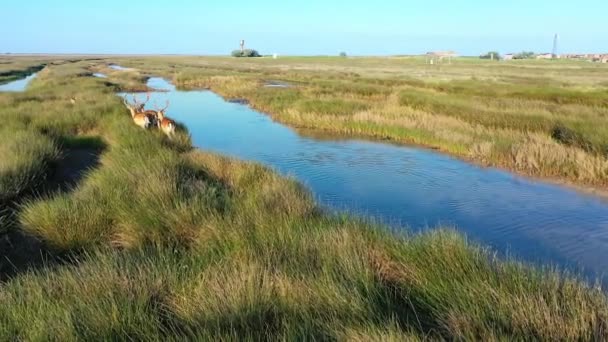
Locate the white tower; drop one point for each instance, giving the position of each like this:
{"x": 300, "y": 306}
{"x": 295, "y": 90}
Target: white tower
{"x": 555, "y": 41}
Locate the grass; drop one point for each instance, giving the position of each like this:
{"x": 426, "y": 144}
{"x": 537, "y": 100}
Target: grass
{"x": 538, "y": 118}
{"x": 162, "y": 242}
{"x": 28, "y": 155}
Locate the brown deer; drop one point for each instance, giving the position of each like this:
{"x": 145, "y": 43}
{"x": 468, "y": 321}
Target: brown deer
{"x": 151, "y": 114}
{"x": 147, "y": 111}
{"x": 165, "y": 124}
{"x": 140, "y": 119}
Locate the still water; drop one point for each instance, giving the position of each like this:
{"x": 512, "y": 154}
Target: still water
{"x": 18, "y": 85}
{"x": 118, "y": 67}
{"x": 408, "y": 186}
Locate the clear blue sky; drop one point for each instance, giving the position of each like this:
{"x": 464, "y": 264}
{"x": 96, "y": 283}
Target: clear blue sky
{"x": 302, "y": 27}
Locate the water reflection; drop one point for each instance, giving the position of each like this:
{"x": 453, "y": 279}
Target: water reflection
{"x": 18, "y": 85}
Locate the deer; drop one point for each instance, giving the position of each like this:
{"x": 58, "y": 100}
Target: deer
{"x": 151, "y": 114}
{"x": 140, "y": 119}
{"x": 140, "y": 108}
{"x": 165, "y": 124}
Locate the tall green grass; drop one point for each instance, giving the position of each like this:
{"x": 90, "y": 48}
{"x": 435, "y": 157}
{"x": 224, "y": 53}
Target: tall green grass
{"x": 300, "y": 280}
{"x": 26, "y": 156}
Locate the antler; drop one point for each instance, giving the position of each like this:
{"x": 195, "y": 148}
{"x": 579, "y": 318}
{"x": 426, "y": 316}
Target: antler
{"x": 166, "y": 106}
{"x": 161, "y": 110}
{"x": 135, "y": 102}
{"x": 147, "y": 98}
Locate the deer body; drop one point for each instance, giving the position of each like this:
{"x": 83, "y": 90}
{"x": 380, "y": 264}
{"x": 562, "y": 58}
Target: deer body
{"x": 166, "y": 125}
{"x": 140, "y": 119}
{"x": 152, "y": 116}
{"x": 146, "y": 118}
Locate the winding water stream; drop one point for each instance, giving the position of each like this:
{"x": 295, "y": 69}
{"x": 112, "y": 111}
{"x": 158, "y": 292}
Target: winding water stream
{"x": 18, "y": 85}
{"x": 408, "y": 186}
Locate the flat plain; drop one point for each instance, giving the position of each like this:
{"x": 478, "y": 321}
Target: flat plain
{"x": 110, "y": 231}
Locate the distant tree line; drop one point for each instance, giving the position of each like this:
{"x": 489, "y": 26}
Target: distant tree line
{"x": 246, "y": 53}
{"x": 525, "y": 55}
{"x": 522, "y": 55}
{"x": 491, "y": 55}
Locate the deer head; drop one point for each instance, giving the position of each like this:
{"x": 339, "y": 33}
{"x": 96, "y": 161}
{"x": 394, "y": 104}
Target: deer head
{"x": 139, "y": 106}
{"x": 161, "y": 112}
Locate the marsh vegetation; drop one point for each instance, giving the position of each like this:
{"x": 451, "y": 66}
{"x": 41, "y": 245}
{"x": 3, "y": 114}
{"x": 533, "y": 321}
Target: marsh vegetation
{"x": 157, "y": 240}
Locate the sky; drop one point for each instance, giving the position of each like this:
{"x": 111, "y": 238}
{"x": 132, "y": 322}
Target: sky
{"x": 313, "y": 27}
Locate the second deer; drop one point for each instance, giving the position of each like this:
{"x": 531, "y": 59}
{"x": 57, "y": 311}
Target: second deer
{"x": 165, "y": 124}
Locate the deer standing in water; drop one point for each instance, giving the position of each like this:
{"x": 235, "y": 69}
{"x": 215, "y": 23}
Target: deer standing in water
{"x": 165, "y": 124}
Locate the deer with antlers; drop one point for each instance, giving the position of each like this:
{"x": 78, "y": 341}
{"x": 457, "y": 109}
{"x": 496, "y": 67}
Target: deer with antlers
{"x": 151, "y": 114}
{"x": 142, "y": 118}
{"x": 139, "y": 118}
{"x": 165, "y": 124}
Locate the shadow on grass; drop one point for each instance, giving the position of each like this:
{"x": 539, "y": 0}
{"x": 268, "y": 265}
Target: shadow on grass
{"x": 79, "y": 155}
{"x": 20, "y": 251}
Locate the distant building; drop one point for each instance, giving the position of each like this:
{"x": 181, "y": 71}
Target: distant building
{"x": 601, "y": 59}
{"x": 442, "y": 54}
{"x": 508, "y": 56}
{"x": 433, "y": 57}
{"x": 592, "y": 57}
{"x": 544, "y": 56}
{"x": 574, "y": 56}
